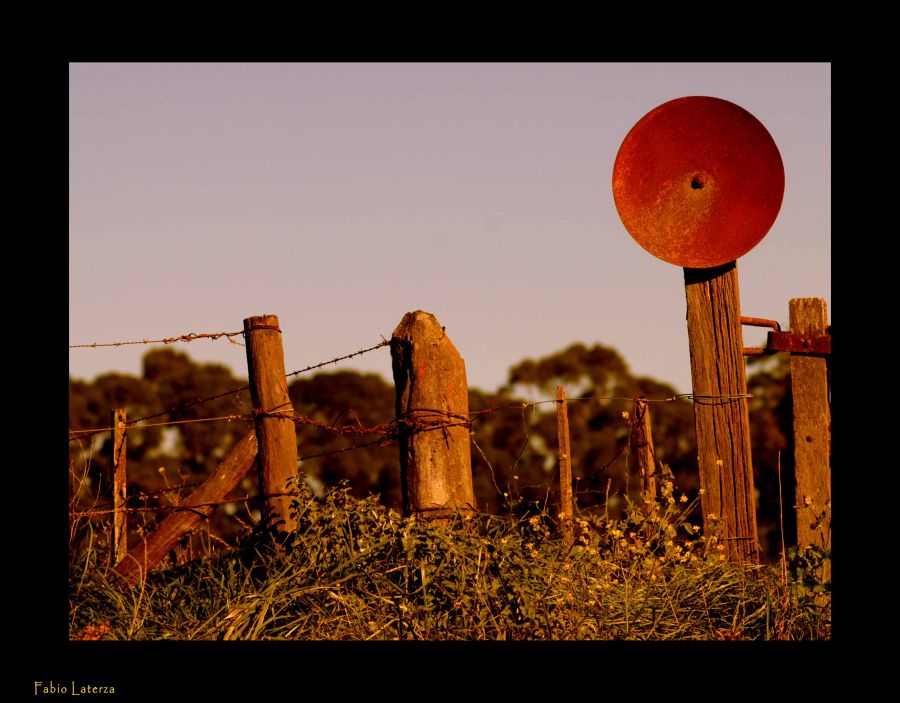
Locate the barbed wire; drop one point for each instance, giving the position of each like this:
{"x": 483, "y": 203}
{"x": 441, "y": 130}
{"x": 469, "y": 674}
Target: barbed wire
{"x": 173, "y": 409}
{"x": 375, "y": 443}
{"x": 188, "y": 506}
{"x": 190, "y": 337}
{"x": 677, "y": 396}
{"x": 177, "y": 408}
{"x": 383, "y": 343}
{"x": 386, "y": 428}
{"x": 78, "y": 434}
{"x": 414, "y": 421}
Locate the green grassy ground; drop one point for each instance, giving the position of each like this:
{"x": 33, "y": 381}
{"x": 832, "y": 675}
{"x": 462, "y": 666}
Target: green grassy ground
{"x": 355, "y": 570}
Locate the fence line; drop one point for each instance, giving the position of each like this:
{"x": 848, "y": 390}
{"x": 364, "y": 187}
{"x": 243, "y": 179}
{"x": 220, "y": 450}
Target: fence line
{"x": 383, "y": 343}
{"x": 384, "y": 427}
{"x": 175, "y": 506}
{"x": 86, "y": 433}
{"x": 400, "y": 429}
{"x": 388, "y": 431}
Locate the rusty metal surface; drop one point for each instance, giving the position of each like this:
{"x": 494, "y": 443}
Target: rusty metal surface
{"x": 760, "y": 322}
{"x": 816, "y": 344}
{"x": 800, "y": 343}
{"x": 698, "y": 182}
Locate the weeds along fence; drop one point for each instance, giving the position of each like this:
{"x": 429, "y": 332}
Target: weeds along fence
{"x": 434, "y": 434}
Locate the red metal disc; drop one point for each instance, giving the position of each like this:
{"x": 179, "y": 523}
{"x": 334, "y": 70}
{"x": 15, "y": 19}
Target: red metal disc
{"x": 698, "y": 182}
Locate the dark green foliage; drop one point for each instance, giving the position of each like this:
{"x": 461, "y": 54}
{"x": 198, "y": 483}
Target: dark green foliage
{"x": 348, "y": 398}
{"x": 517, "y": 450}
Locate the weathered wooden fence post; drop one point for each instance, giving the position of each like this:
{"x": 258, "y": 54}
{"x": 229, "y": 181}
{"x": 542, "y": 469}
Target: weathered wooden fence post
{"x": 641, "y": 443}
{"x": 812, "y": 428}
{"x": 277, "y": 436}
{"x": 698, "y": 182}
{"x": 721, "y": 410}
{"x": 432, "y": 406}
{"x": 565, "y": 467}
{"x": 118, "y": 539}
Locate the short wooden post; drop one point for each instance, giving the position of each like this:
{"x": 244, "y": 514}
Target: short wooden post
{"x": 721, "y": 410}
{"x": 641, "y": 443}
{"x": 277, "y": 436}
{"x": 119, "y": 531}
{"x": 190, "y": 512}
{"x": 565, "y": 467}
{"x": 433, "y": 414}
{"x": 812, "y": 428}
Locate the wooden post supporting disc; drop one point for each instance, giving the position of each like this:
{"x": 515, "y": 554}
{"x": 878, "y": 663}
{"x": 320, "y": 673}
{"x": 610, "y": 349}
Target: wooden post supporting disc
{"x": 698, "y": 182}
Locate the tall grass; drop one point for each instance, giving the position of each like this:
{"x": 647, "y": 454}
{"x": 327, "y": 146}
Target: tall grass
{"x": 354, "y": 570}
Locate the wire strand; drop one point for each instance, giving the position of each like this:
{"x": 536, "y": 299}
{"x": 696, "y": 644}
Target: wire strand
{"x": 420, "y": 422}
{"x": 174, "y": 409}
{"x": 190, "y": 337}
{"x": 85, "y": 433}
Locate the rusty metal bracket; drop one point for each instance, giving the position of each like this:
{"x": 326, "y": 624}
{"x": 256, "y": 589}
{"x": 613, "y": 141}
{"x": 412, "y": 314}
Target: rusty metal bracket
{"x": 815, "y": 344}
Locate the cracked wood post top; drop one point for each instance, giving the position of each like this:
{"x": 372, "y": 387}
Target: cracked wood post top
{"x": 432, "y": 400}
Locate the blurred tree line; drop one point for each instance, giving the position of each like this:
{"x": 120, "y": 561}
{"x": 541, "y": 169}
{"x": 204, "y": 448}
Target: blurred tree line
{"x": 513, "y": 450}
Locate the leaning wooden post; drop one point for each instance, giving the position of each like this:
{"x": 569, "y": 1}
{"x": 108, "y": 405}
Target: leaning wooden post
{"x": 277, "y": 436}
{"x": 190, "y": 512}
{"x": 565, "y": 467}
{"x": 721, "y": 410}
{"x": 812, "y": 428}
{"x": 119, "y": 534}
{"x": 432, "y": 406}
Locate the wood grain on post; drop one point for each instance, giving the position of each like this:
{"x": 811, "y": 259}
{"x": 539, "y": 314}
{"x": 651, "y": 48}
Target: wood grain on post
{"x": 277, "y": 436}
{"x": 721, "y": 410}
{"x": 190, "y": 512}
{"x": 641, "y": 443}
{"x": 812, "y": 428}
{"x": 119, "y": 480}
{"x": 565, "y": 467}
{"x": 431, "y": 388}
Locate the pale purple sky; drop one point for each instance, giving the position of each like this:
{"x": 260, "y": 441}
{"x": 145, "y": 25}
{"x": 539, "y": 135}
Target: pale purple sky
{"x": 341, "y": 196}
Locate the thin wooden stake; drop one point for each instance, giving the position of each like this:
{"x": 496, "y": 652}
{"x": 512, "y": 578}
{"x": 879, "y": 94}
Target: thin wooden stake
{"x": 119, "y": 532}
{"x": 277, "y": 435}
{"x": 721, "y": 410}
{"x": 565, "y": 467}
{"x": 812, "y": 429}
{"x": 432, "y": 404}
{"x": 641, "y": 441}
